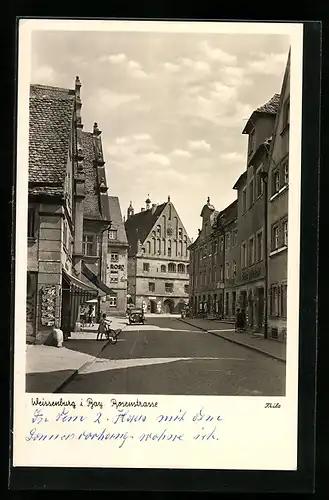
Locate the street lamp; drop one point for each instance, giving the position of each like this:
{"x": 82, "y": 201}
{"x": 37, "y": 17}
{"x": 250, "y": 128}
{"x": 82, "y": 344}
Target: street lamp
{"x": 264, "y": 177}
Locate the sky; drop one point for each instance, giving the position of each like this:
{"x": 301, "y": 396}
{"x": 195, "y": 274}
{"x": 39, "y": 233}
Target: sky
{"x": 171, "y": 107}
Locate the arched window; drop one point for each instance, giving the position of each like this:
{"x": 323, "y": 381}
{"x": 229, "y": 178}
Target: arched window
{"x": 148, "y": 247}
{"x": 164, "y": 224}
{"x": 164, "y": 246}
{"x": 154, "y": 245}
{"x": 176, "y": 248}
{"x": 185, "y": 248}
{"x": 169, "y": 248}
{"x": 159, "y": 230}
{"x": 176, "y": 226}
{"x": 171, "y": 267}
{"x": 159, "y": 245}
{"x": 181, "y": 248}
{"x": 181, "y": 268}
{"x": 187, "y": 269}
{"x": 163, "y": 269}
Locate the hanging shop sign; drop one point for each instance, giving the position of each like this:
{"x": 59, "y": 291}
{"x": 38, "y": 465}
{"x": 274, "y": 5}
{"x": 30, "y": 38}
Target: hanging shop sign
{"x": 117, "y": 267}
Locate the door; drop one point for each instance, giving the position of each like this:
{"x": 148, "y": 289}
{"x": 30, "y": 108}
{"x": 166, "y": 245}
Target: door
{"x": 168, "y": 306}
{"x": 260, "y": 306}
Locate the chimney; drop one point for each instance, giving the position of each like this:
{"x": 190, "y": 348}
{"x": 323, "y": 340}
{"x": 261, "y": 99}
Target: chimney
{"x": 78, "y": 103}
{"x": 130, "y": 210}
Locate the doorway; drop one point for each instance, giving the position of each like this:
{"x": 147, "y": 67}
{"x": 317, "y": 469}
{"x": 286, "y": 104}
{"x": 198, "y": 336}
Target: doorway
{"x": 168, "y": 306}
{"x": 260, "y": 308}
{"x": 153, "y": 306}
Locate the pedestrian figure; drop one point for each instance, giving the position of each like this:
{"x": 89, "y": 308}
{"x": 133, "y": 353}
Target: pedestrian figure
{"x": 238, "y": 320}
{"x": 243, "y": 319}
{"x": 91, "y": 315}
{"x": 103, "y": 327}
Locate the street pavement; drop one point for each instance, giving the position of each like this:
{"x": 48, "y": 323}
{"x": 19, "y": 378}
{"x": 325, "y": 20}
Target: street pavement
{"x": 167, "y": 356}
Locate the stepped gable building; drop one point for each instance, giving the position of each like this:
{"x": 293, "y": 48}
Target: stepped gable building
{"x": 56, "y": 194}
{"x": 158, "y": 258}
{"x": 117, "y": 262}
{"x": 278, "y": 190}
{"x": 213, "y": 261}
{"x": 251, "y": 272}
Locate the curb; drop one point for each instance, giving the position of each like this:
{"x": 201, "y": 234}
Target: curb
{"x": 248, "y": 346}
{"x": 75, "y": 372}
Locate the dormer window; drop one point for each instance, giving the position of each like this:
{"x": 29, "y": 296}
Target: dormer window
{"x": 252, "y": 142}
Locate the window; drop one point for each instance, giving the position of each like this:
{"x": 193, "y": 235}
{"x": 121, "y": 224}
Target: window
{"x": 88, "y": 245}
{"x": 163, "y": 269}
{"x": 114, "y": 278}
{"x": 275, "y": 237}
{"x": 65, "y": 235}
{"x": 169, "y": 287}
{"x": 285, "y": 173}
{"x": 286, "y": 114}
{"x": 146, "y": 266}
{"x": 220, "y": 273}
{"x": 164, "y": 246}
{"x": 259, "y": 246}
{"x": 114, "y": 257}
{"x": 251, "y": 251}
{"x": 159, "y": 230}
{"x": 285, "y": 233}
{"x": 181, "y": 268}
{"x": 259, "y": 183}
{"x": 221, "y": 243}
{"x": 154, "y": 245}
{"x": 243, "y": 255}
{"x": 31, "y": 222}
{"x": 274, "y": 300}
{"x": 251, "y": 192}
{"x": 151, "y": 287}
{"x": 180, "y": 233}
{"x": 205, "y": 252}
{"x": 233, "y": 303}
{"x": 169, "y": 248}
{"x": 148, "y": 247}
{"x": 112, "y": 301}
{"x": 159, "y": 246}
{"x": 234, "y": 237}
{"x": 234, "y": 270}
{"x": 215, "y": 247}
{"x": 284, "y": 300}
{"x": 227, "y": 270}
{"x": 112, "y": 234}
{"x": 227, "y": 241}
{"x": 181, "y": 249}
{"x": 187, "y": 269}
{"x": 244, "y": 201}
{"x": 186, "y": 288}
{"x": 276, "y": 181}
{"x": 171, "y": 267}
{"x": 251, "y": 142}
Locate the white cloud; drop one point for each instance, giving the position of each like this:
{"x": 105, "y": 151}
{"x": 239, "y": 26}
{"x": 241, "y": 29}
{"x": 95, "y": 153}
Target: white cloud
{"x": 173, "y": 68}
{"x": 142, "y": 137}
{"x": 181, "y": 153}
{"x": 216, "y": 54}
{"x": 156, "y": 158}
{"x": 268, "y": 64}
{"x": 201, "y": 66}
{"x": 113, "y": 58}
{"x": 223, "y": 92}
{"x": 232, "y": 156}
{"x": 111, "y": 99}
{"x": 235, "y": 75}
{"x": 44, "y": 75}
{"x": 199, "y": 145}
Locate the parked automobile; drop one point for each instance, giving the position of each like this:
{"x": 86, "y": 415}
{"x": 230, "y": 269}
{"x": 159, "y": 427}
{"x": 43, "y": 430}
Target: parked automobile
{"x": 136, "y": 315}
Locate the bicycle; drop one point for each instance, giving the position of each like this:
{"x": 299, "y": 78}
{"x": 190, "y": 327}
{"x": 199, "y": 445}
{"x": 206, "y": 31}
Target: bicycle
{"x": 114, "y": 337}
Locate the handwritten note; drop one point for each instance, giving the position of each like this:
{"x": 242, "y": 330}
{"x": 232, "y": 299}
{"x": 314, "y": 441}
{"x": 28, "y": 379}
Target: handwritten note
{"x": 121, "y": 422}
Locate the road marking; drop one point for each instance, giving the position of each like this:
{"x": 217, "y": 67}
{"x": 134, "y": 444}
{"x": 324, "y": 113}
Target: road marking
{"x": 100, "y": 364}
{"x": 231, "y": 330}
{"x": 137, "y": 328}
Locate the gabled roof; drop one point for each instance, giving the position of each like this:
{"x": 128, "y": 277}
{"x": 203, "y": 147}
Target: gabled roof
{"x": 241, "y": 179}
{"x": 138, "y": 226}
{"x": 50, "y": 124}
{"x": 229, "y": 213}
{"x": 269, "y": 108}
{"x": 116, "y": 220}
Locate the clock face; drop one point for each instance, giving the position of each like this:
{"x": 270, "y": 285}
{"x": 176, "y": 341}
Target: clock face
{"x": 169, "y": 231}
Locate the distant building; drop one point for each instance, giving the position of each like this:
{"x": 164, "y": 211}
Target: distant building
{"x": 158, "y": 258}
{"x": 250, "y": 281}
{"x": 57, "y": 190}
{"x": 278, "y": 188}
{"x": 117, "y": 262}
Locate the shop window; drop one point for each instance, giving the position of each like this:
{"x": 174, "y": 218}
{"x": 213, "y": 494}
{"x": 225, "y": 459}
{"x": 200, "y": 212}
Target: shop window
{"x": 146, "y": 266}
{"x": 169, "y": 287}
{"x": 112, "y": 301}
{"x": 151, "y": 287}
{"x": 31, "y": 222}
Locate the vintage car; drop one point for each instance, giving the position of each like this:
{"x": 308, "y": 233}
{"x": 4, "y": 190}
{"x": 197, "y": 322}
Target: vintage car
{"x": 136, "y": 315}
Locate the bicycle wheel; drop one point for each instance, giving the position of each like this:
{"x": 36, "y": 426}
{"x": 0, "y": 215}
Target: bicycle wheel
{"x": 113, "y": 337}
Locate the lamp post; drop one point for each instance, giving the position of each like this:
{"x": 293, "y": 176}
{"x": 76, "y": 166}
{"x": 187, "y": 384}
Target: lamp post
{"x": 264, "y": 177}
{"x": 100, "y": 267}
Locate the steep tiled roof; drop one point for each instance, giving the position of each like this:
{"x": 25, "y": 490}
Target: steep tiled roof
{"x": 139, "y": 225}
{"x": 51, "y": 112}
{"x": 242, "y": 178}
{"x": 116, "y": 219}
{"x": 270, "y": 108}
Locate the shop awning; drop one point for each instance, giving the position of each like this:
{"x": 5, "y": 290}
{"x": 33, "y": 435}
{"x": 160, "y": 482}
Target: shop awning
{"x": 95, "y": 280}
{"x": 78, "y": 288}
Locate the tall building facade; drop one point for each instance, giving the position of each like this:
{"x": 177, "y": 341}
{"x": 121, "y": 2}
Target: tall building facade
{"x": 158, "y": 258}
{"x": 117, "y": 262}
{"x": 278, "y": 189}
{"x": 240, "y": 256}
{"x": 56, "y": 287}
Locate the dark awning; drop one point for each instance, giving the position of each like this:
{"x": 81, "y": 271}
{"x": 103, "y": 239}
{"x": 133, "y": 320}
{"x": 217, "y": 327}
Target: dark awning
{"x": 95, "y": 280}
{"x": 78, "y": 288}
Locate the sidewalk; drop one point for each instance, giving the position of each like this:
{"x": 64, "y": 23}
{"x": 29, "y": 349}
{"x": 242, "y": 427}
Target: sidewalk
{"x": 48, "y": 368}
{"x": 271, "y": 348}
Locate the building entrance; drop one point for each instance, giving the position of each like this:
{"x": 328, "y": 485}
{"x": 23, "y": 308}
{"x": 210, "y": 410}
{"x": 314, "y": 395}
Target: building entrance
{"x": 168, "y": 306}
{"x": 153, "y": 306}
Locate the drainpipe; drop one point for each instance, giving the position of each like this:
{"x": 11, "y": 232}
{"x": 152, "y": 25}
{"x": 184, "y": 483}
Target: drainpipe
{"x": 264, "y": 177}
